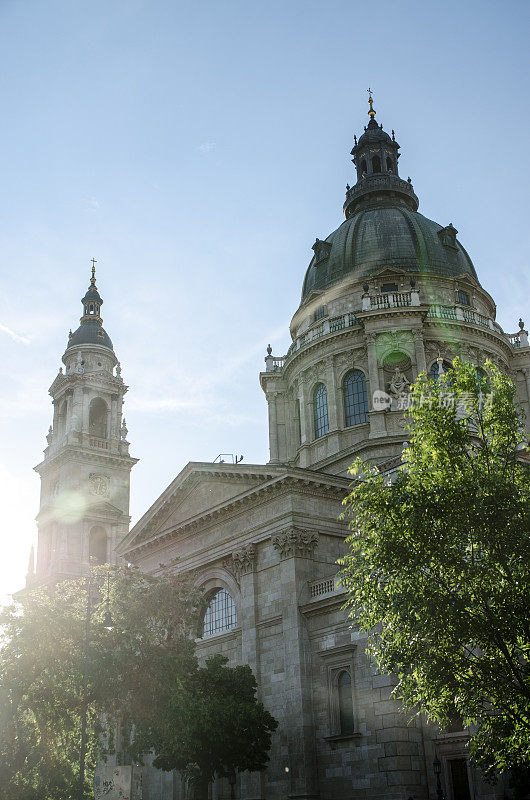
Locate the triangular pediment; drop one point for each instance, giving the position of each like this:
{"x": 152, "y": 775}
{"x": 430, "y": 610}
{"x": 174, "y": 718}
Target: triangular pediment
{"x": 207, "y": 491}
{"x": 105, "y": 508}
{"x": 197, "y": 489}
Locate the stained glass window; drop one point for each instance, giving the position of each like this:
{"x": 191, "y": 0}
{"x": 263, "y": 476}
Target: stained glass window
{"x": 220, "y": 615}
{"x": 355, "y": 398}
{"x": 320, "y": 408}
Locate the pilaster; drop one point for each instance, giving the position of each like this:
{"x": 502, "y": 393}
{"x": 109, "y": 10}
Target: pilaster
{"x": 296, "y": 548}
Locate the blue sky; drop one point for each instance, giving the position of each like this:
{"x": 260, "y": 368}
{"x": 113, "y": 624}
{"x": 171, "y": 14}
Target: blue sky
{"x": 196, "y": 150}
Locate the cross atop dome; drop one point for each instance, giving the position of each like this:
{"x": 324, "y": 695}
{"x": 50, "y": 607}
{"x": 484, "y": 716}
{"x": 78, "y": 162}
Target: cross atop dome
{"x": 371, "y": 112}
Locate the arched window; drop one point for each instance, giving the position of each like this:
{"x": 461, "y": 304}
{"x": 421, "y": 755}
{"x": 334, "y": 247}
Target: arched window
{"x": 97, "y": 546}
{"x": 363, "y": 167}
{"x": 435, "y": 369}
{"x": 376, "y": 164}
{"x": 97, "y": 418}
{"x": 61, "y": 419}
{"x": 389, "y": 164}
{"x": 355, "y": 398}
{"x": 345, "y": 703}
{"x": 220, "y": 614}
{"x": 320, "y": 409}
{"x": 482, "y": 379}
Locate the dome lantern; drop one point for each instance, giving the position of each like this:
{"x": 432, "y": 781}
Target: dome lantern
{"x": 375, "y": 156}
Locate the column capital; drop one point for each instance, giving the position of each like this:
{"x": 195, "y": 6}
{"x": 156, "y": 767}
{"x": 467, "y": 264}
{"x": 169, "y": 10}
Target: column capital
{"x": 296, "y": 542}
{"x": 243, "y": 560}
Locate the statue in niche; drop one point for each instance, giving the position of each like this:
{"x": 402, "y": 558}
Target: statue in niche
{"x": 399, "y": 383}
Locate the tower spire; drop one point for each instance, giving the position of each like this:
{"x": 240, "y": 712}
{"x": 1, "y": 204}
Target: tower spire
{"x": 371, "y": 112}
{"x": 93, "y": 278}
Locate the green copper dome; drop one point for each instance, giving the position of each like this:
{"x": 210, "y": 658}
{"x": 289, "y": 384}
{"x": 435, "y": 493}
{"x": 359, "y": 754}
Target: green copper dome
{"x": 386, "y": 235}
{"x": 383, "y": 227}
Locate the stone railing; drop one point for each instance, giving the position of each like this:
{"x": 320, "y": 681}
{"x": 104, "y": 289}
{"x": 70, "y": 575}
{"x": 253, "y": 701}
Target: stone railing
{"x": 101, "y": 444}
{"x": 391, "y": 300}
{"x": 327, "y": 326}
{"x": 518, "y": 340}
{"x": 324, "y": 587}
{"x": 460, "y": 314}
{"x": 382, "y": 182}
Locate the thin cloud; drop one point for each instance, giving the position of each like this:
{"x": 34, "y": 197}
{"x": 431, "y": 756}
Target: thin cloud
{"x": 206, "y": 147}
{"x": 14, "y": 336}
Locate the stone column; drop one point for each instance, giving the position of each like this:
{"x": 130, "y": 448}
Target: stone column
{"x": 273, "y": 429}
{"x": 419, "y": 352}
{"x": 373, "y": 370}
{"x": 296, "y": 549}
{"x": 526, "y": 373}
{"x": 331, "y": 389}
{"x": 114, "y": 433}
{"x": 305, "y": 426}
{"x": 86, "y": 416}
{"x": 377, "y": 417}
{"x": 244, "y": 563}
{"x": 85, "y": 552}
{"x": 55, "y": 404}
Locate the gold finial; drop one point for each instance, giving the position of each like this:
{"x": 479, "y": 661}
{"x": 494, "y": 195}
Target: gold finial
{"x": 371, "y": 112}
{"x": 93, "y": 278}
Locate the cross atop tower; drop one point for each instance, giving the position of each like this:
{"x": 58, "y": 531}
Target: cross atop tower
{"x": 93, "y": 278}
{"x": 371, "y": 112}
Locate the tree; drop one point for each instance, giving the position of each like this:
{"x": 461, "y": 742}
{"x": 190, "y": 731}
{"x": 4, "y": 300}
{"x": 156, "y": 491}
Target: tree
{"x": 58, "y": 664}
{"x": 216, "y": 726}
{"x": 438, "y": 568}
{"x": 138, "y": 687}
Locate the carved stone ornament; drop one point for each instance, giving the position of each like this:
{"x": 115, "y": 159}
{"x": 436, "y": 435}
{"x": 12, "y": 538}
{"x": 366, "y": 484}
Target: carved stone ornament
{"x": 343, "y": 361}
{"x": 315, "y": 372}
{"x": 243, "y": 561}
{"x": 295, "y": 542}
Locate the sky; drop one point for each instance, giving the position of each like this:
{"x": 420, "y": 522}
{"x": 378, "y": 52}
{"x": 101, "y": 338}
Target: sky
{"x": 196, "y": 150}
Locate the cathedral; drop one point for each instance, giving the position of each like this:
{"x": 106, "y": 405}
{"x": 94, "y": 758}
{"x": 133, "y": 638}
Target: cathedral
{"x": 387, "y": 295}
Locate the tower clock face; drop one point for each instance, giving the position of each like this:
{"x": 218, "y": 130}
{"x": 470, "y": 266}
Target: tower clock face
{"x": 98, "y": 484}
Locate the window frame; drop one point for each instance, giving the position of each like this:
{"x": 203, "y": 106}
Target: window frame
{"x": 320, "y": 418}
{"x": 231, "y": 612}
{"x": 353, "y": 404}
{"x": 337, "y": 661}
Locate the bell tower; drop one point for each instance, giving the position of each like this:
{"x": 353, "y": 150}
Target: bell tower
{"x": 85, "y": 473}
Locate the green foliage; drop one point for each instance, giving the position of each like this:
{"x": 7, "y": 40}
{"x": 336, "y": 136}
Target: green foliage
{"x": 438, "y": 569}
{"x": 54, "y": 662}
{"x": 139, "y": 682}
{"x": 216, "y": 726}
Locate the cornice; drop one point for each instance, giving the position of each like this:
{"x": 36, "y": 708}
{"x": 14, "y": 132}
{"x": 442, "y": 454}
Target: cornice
{"x": 318, "y": 344}
{"x": 487, "y": 333}
{"x": 99, "y": 379}
{"x": 139, "y": 539}
{"x": 88, "y": 455}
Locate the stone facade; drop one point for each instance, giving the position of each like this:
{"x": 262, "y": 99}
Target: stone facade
{"x": 387, "y": 296}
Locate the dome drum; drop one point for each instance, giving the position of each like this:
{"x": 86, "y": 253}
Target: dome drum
{"x": 377, "y": 189}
